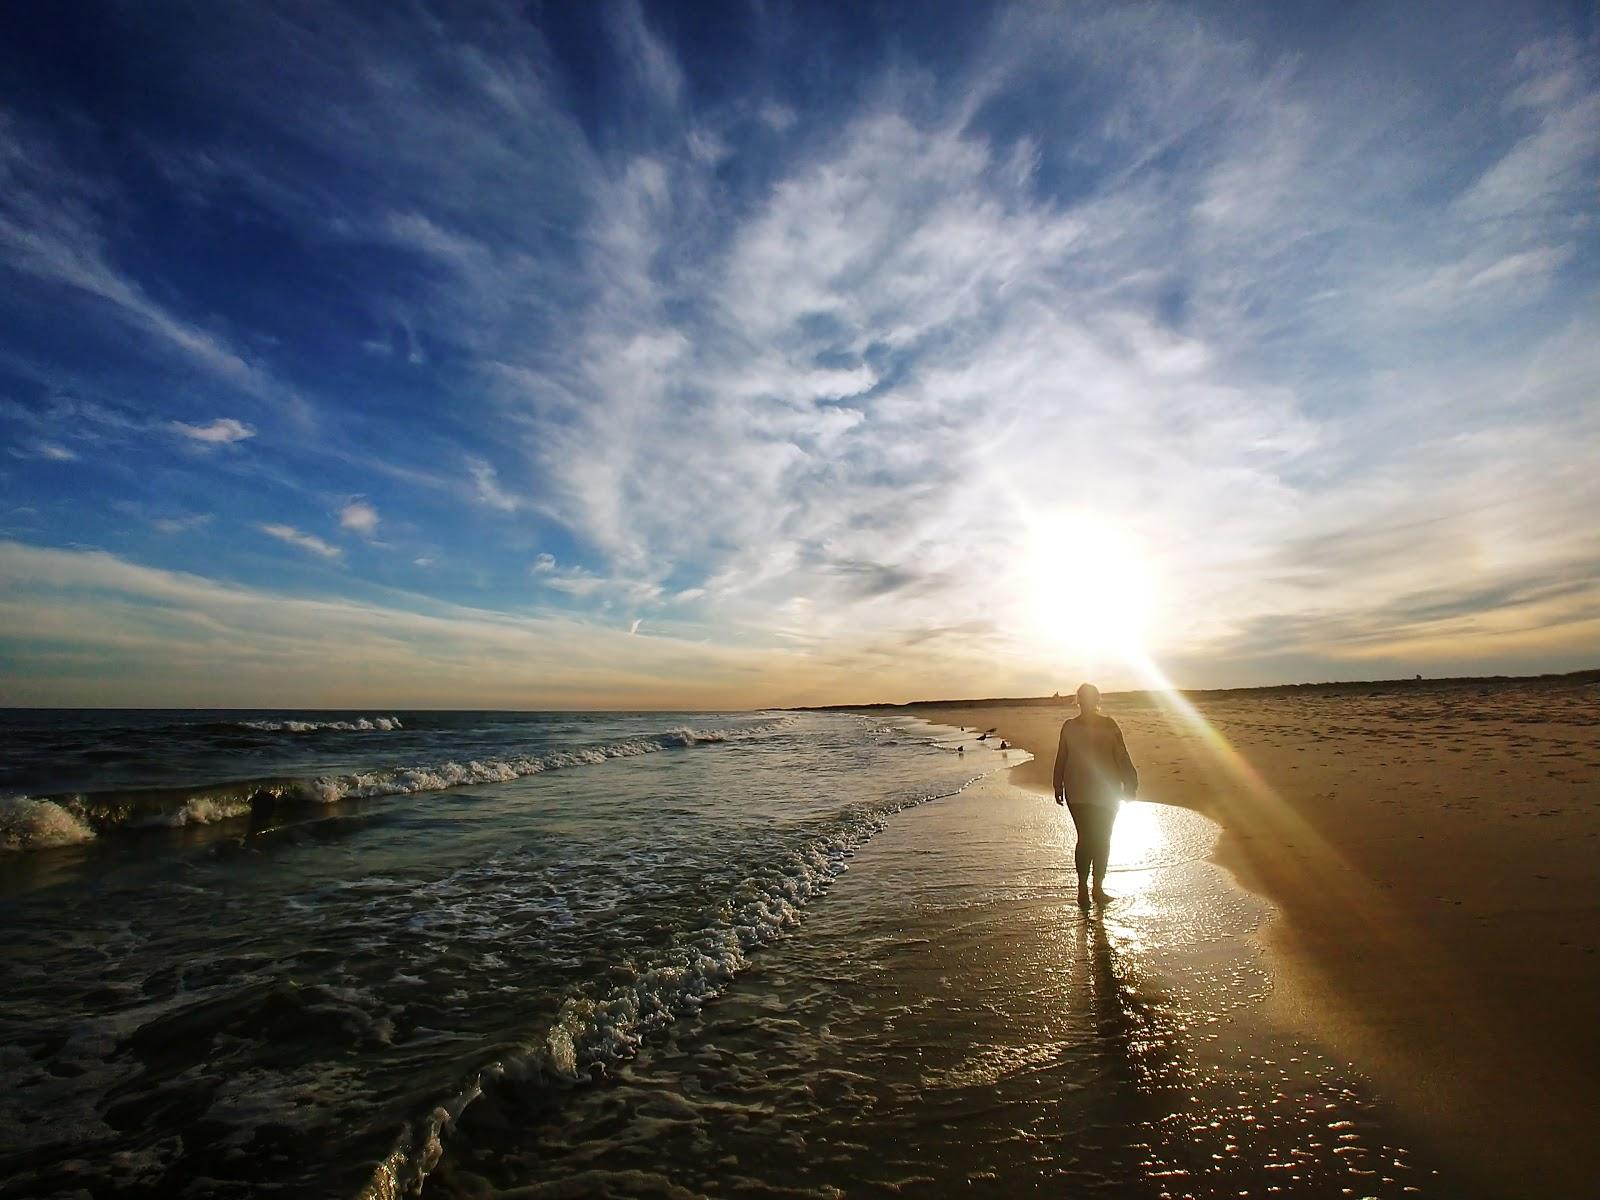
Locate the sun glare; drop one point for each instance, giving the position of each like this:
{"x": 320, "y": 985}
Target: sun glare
{"x": 1093, "y": 588}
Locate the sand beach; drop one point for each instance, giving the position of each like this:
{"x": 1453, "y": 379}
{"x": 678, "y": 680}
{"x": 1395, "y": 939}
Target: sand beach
{"x": 1429, "y": 850}
{"x": 949, "y": 1022}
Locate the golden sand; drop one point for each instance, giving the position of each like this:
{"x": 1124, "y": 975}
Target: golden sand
{"x": 1433, "y": 851}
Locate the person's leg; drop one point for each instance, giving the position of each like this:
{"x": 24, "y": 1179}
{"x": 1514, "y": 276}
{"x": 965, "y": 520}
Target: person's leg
{"x": 1100, "y": 855}
{"x": 1083, "y": 850}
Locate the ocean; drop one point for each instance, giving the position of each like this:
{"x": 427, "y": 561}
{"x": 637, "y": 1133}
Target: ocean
{"x": 503, "y": 956}
{"x": 254, "y": 953}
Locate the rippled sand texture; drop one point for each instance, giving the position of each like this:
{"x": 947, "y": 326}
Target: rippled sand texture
{"x": 948, "y": 1022}
{"x": 1432, "y": 850}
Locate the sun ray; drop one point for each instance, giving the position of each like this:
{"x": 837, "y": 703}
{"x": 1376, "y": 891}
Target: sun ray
{"x": 1372, "y": 930}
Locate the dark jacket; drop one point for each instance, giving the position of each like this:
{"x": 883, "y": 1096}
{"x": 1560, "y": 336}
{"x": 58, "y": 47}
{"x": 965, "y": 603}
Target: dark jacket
{"x": 1092, "y": 763}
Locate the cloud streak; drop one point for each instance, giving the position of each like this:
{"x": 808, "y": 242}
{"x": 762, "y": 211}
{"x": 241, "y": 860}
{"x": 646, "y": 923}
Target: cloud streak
{"x": 305, "y": 541}
{"x": 51, "y": 231}
{"x": 221, "y": 432}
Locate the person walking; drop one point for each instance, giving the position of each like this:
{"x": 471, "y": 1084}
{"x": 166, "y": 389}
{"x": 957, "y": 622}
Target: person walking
{"x": 1093, "y": 773}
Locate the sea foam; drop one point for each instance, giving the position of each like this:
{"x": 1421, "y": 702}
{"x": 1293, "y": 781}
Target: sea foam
{"x": 595, "y": 1033}
{"x": 360, "y": 725}
{"x": 62, "y": 820}
{"x": 28, "y": 824}
{"x": 438, "y": 777}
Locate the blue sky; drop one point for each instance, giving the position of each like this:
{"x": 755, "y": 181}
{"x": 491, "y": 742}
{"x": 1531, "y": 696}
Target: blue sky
{"x": 655, "y": 355}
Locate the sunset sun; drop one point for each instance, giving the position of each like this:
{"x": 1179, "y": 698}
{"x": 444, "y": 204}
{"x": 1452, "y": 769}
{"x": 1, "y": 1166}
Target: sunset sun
{"x": 1093, "y": 587}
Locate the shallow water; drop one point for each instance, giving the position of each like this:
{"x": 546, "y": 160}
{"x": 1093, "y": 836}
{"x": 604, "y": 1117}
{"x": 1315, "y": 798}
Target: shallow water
{"x": 298, "y": 1003}
{"x": 948, "y": 1021}
{"x": 71, "y": 777}
{"x": 618, "y": 975}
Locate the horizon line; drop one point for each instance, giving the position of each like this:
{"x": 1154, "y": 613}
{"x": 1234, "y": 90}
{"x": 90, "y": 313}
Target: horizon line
{"x": 985, "y": 701}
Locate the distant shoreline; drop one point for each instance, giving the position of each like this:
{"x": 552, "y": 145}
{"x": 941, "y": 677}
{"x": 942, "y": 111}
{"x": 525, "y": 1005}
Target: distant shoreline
{"x": 1329, "y": 687}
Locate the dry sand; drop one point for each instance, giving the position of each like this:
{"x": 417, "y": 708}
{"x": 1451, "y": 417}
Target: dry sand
{"x": 1433, "y": 851}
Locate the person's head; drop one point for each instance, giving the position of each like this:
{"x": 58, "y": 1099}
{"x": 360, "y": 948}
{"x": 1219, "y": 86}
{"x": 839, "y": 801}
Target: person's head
{"x": 1088, "y": 698}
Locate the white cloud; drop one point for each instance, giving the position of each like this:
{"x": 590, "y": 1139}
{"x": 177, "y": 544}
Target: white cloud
{"x": 49, "y": 451}
{"x": 1485, "y": 277}
{"x": 1545, "y": 170}
{"x": 65, "y": 417}
{"x": 676, "y": 446}
{"x": 1206, "y": 290}
{"x": 51, "y": 229}
{"x": 575, "y": 581}
{"x": 359, "y": 517}
{"x": 172, "y": 525}
{"x": 780, "y": 118}
{"x": 306, "y": 541}
{"x": 582, "y": 583}
{"x": 220, "y": 432}
{"x": 655, "y": 69}
{"x": 158, "y": 636}
{"x": 486, "y": 487}
{"x": 845, "y": 412}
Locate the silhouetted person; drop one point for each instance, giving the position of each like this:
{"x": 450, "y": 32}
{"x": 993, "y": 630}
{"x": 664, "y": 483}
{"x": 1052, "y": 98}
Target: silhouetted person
{"x": 1093, "y": 772}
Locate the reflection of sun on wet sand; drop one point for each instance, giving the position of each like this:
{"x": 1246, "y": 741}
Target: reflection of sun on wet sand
{"x": 1431, "y": 849}
{"x": 949, "y": 1022}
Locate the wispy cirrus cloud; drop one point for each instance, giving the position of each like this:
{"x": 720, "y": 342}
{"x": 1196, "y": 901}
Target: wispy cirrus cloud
{"x": 221, "y": 432}
{"x": 48, "y": 451}
{"x": 88, "y": 626}
{"x": 487, "y": 487}
{"x": 184, "y": 524}
{"x": 53, "y": 231}
{"x": 1045, "y": 356}
{"x": 1303, "y": 317}
{"x": 309, "y": 542}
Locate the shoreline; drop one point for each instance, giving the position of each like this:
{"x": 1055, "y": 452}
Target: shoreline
{"x": 948, "y": 981}
{"x": 1430, "y": 860}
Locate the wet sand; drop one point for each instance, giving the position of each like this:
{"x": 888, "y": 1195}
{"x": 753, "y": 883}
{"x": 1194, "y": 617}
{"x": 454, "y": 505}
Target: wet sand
{"x": 1432, "y": 853}
{"x": 947, "y": 1021}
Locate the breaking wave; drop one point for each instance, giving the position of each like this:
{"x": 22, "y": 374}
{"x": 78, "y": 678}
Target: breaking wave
{"x": 597, "y": 1030}
{"x": 28, "y": 823}
{"x": 359, "y": 725}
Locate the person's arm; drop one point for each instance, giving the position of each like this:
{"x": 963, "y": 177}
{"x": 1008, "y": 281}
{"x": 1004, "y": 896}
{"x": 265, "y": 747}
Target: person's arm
{"x": 1059, "y": 779}
{"x": 1129, "y": 776}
